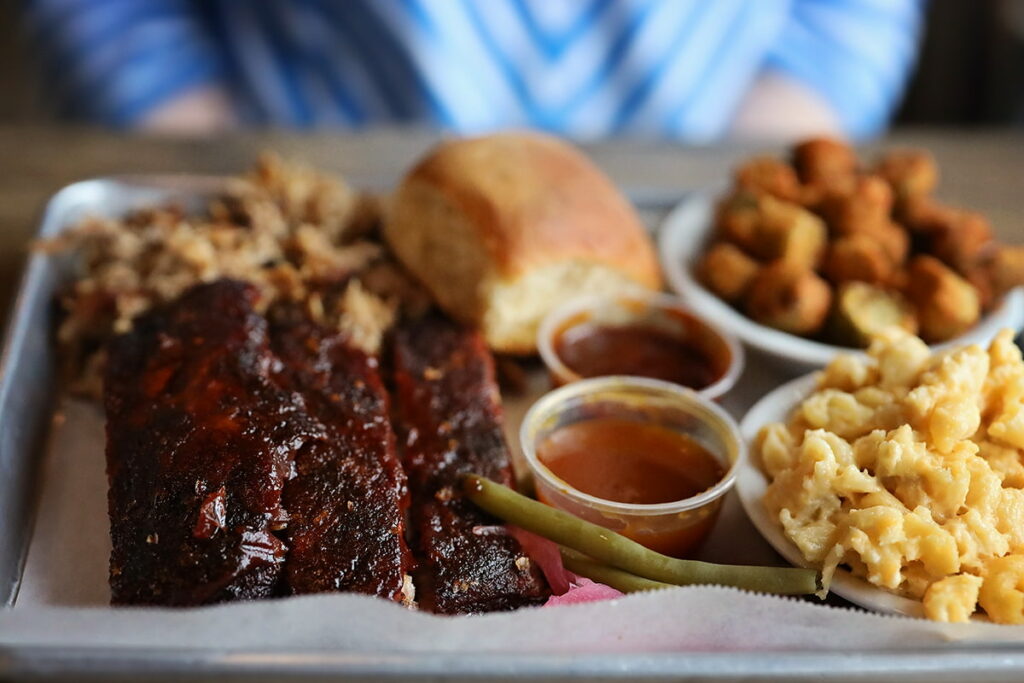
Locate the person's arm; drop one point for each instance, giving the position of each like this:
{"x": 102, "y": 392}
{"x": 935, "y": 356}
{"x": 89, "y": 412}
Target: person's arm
{"x": 147, "y": 64}
{"x": 838, "y": 66}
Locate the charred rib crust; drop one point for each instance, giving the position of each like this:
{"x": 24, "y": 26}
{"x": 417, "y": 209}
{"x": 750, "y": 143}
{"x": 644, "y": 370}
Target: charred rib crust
{"x": 348, "y": 500}
{"x": 205, "y": 425}
{"x": 449, "y": 417}
{"x": 200, "y": 440}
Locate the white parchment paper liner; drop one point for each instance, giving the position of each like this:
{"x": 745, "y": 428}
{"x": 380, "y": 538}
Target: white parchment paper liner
{"x": 64, "y": 594}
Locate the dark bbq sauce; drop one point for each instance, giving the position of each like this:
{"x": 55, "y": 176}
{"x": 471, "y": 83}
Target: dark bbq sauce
{"x": 595, "y": 350}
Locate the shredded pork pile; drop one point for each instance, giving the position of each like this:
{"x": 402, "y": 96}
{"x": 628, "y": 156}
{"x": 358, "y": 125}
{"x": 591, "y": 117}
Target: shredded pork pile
{"x": 296, "y": 233}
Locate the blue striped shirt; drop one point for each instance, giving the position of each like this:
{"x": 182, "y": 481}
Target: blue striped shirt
{"x": 666, "y": 68}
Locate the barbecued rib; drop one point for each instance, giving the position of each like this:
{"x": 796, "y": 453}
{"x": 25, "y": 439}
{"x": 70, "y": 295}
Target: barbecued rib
{"x": 449, "y": 423}
{"x": 347, "y": 501}
{"x": 200, "y": 440}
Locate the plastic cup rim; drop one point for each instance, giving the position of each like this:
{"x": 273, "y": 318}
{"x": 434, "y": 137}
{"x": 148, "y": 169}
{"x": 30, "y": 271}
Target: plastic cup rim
{"x": 552, "y": 321}
{"x": 593, "y": 385}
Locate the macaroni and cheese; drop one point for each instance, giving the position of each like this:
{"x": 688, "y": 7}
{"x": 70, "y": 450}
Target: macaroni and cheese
{"x": 906, "y": 467}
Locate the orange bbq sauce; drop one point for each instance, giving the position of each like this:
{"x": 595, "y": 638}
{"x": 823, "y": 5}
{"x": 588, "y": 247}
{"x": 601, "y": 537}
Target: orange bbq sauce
{"x": 636, "y": 463}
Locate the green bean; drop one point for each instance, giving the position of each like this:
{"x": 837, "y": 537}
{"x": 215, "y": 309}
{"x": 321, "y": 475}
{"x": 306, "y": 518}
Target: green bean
{"x": 580, "y": 564}
{"x": 614, "y": 549}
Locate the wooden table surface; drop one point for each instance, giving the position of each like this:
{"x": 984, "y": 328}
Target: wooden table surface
{"x": 983, "y": 170}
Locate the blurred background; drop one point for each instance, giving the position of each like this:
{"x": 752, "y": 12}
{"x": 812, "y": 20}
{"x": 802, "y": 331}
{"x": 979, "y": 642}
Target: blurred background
{"x": 944, "y": 75}
{"x": 970, "y": 69}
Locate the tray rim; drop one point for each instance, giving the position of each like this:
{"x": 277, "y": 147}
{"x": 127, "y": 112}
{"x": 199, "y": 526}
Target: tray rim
{"x": 950, "y": 663}
{"x": 980, "y": 664}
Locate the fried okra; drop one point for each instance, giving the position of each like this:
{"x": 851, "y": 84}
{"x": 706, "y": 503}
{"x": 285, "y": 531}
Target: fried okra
{"x": 737, "y": 218}
{"x": 864, "y": 206}
{"x": 920, "y": 214}
{"x": 862, "y": 310}
{"x": 961, "y": 240}
{"x": 955, "y": 236}
{"x": 947, "y": 305}
{"x": 999, "y": 269}
{"x": 789, "y": 298}
{"x": 789, "y": 232}
{"x": 982, "y": 278}
{"x": 858, "y": 258}
{"x": 894, "y": 240}
{"x": 1005, "y": 266}
{"x": 728, "y": 272}
{"x": 765, "y": 175}
{"x": 768, "y": 228}
{"x": 797, "y": 230}
{"x": 824, "y": 162}
{"x": 910, "y": 172}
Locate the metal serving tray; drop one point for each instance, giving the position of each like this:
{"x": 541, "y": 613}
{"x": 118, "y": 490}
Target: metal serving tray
{"x": 27, "y": 394}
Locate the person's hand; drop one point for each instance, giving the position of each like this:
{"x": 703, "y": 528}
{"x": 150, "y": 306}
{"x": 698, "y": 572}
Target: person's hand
{"x": 782, "y": 109}
{"x": 201, "y": 111}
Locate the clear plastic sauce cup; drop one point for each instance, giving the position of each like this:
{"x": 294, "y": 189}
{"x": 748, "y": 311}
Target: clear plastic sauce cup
{"x": 673, "y": 527}
{"x": 651, "y": 335}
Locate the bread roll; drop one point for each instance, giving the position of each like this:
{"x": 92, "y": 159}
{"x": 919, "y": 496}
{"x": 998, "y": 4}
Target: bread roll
{"x": 501, "y": 229}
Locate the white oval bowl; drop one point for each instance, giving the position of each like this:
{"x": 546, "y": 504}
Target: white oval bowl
{"x": 681, "y": 243}
{"x": 751, "y": 483}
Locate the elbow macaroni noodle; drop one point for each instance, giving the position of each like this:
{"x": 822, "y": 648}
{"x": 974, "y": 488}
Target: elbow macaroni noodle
{"x": 906, "y": 467}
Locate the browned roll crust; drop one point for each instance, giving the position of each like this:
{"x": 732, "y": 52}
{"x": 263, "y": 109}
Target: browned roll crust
{"x": 504, "y": 227}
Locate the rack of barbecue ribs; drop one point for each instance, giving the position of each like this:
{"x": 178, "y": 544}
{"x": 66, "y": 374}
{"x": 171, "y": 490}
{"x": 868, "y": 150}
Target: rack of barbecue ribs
{"x": 200, "y": 443}
{"x": 250, "y": 459}
{"x": 449, "y": 424}
{"x": 348, "y": 500}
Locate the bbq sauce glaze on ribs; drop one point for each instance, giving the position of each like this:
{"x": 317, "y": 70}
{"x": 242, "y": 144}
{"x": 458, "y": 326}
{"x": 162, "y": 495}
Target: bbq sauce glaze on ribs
{"x": 449, "y": 423}
{"x": 228, "y": 437}
{"x": 348, "y": 499}
{"x": 200, "y": 442}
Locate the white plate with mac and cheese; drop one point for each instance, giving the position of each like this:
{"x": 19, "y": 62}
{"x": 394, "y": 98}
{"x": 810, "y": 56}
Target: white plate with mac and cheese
{"x": 899, "y": 475}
